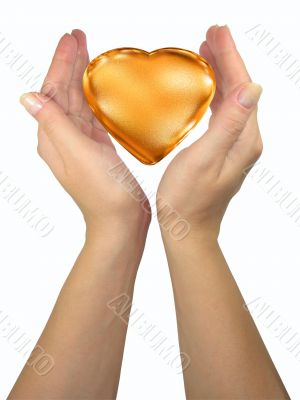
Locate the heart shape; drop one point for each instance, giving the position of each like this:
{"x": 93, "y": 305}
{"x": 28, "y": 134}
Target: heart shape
{"x": 149, "y": 101}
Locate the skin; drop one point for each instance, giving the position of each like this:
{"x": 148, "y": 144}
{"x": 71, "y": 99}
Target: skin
{"x": 84, "y": 337}
{"x": 228, "y": 357}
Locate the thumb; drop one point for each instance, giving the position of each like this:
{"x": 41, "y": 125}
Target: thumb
{"x": 52, "y": 120}
{"x": 229, "y": 121}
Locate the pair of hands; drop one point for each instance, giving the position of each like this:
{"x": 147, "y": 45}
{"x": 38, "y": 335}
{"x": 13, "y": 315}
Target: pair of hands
{"x": 214, "y": 329}
{"x": 198, "y": 183}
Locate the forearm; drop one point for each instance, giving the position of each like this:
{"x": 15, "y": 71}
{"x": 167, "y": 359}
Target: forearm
{"x": 83, "y": 335}
{"x": 228, "y": 357}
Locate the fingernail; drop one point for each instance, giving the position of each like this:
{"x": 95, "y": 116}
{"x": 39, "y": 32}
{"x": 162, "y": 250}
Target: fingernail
{"x": 31, "y": 103}
{"x": 249, "y": 95}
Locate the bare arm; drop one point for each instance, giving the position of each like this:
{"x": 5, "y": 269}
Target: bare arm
{"x": 228, "y": 357}
{"x": 83, "y": 335}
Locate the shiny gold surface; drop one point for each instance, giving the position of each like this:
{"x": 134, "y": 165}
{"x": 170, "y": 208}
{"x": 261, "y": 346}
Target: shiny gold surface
{"x": 149, "y": 101}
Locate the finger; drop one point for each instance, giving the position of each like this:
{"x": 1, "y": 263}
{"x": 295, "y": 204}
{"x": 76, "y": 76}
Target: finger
{"x": 92, "y": 129}
{"x": 248, "y": 148}
{"x": 100, "y": 135}
{"x": 60, "y": 72}
{"x": 77, "y": 105}
{"x": 229, "y": 122}
{"x": 227, "y": 58}
{"x": 207, "y": 54}
{"x": 62, "y": 132}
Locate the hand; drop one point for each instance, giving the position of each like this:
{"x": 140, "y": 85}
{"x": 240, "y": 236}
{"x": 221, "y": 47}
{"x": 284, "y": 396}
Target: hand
{"x": 83, "y": 159}
{"x": 201, "y": 179}
{"x": 77, "y": 148}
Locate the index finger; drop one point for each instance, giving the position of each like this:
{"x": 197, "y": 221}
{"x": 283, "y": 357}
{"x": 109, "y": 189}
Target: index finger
{"x": 60, "y": 72}
{"x": 228, "y": 60}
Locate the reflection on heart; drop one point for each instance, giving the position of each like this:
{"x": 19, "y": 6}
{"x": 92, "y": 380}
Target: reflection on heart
{"x": 149, "y": 101}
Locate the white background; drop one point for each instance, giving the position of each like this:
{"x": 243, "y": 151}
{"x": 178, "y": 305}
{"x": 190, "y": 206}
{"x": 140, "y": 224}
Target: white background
{"x": 260, "y": 242}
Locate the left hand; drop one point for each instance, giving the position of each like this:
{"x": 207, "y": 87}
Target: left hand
{"x": 201, "y": 179}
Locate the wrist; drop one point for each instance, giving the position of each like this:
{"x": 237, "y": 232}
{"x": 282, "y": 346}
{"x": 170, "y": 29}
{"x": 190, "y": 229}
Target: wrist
{"x": 193, "y": 249}
{"x": 179, "y": 223}
{"x": 202, "y": 233}
{"x": 117, "y": 234}
{"x": 119, "y": 225}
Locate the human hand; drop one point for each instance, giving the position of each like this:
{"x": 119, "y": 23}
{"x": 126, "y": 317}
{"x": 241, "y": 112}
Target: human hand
{"x": 77, "y": 148}
{"x": 201, "y": 180}
{"x": 83, "y": 159}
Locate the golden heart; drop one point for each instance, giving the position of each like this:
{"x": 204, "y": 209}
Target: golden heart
{"x": 149, "y": 101}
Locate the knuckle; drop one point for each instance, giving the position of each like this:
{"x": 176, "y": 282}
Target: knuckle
{"x": 49, "y": 123}
{"x": 40, "y": 151}
{"x": 233, "y": 126}
{"x": 49, "y": 89}
{"x": 258, "y": 148}
{"x": 40, "y": 146}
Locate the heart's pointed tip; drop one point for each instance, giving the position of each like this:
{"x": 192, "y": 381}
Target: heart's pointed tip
{"x": 148, "y": 158}
{"x": 146, "y": 161}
